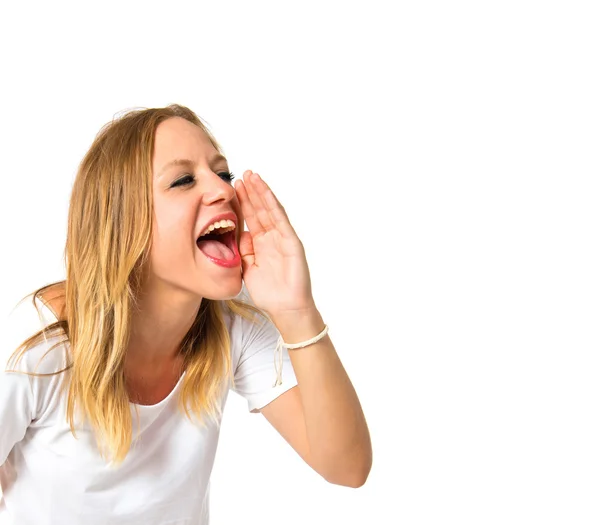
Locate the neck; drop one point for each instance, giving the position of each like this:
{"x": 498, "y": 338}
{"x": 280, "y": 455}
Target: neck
{"x": 159, "y": 324}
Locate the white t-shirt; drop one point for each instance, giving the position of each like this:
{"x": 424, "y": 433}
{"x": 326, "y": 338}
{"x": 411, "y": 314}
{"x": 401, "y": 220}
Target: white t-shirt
{"x": 50, "y": 478}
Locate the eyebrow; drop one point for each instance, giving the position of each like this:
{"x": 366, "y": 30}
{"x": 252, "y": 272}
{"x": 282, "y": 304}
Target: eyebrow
{"x": 188, "y": 163}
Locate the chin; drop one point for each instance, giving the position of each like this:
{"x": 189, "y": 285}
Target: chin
{"x": 222, "y": 291}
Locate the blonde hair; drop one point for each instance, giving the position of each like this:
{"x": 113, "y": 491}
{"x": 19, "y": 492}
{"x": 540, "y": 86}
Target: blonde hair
{"x": 107, "y": 246}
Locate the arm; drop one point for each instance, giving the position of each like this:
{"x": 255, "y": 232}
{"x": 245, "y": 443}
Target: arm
{"x": 16, "y": 395}
{"x": 321, "y": 418}
{"x": 16, "y": 410}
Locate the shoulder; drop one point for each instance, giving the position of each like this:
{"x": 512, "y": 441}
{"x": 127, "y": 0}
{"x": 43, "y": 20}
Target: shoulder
{"x": 28, "y": 317}
{"x": 31, "y": 377}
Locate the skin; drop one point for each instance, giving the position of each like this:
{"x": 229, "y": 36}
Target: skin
{"x": 179, "y": 275}
{"x": 321, "y": 417}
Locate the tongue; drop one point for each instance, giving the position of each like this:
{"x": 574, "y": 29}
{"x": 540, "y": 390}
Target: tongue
{"x": 215, "y": 249}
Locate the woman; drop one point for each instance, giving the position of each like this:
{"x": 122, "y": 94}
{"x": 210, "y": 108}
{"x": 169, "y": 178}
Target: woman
{"x": 110, "y": 410}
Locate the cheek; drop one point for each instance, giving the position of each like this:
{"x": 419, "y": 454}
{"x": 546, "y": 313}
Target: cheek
{"x": 173, "y": 214}
{"x": 173, "y": 227}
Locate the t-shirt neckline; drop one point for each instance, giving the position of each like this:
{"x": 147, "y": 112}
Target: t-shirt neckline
{"x": 163, "y": 401}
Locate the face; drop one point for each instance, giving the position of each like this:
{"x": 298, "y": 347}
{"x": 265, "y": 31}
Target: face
{"x": 187, "y": 197}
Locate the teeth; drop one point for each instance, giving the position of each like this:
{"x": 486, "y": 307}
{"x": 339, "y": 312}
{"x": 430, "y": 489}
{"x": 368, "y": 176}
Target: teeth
{"x": 224, "y": 225}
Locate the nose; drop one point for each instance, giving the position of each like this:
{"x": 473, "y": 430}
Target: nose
{"x": 216, "y": 189}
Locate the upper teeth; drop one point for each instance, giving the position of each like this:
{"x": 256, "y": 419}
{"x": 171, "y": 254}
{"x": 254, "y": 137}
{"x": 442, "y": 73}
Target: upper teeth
{"x": 224, "y": 225}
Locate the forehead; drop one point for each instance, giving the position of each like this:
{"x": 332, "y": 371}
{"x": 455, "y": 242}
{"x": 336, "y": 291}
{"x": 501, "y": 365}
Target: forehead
{"x": 177, "y": 138}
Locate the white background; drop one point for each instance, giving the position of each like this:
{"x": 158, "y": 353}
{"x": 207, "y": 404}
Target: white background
{"x": 439, "y": 161}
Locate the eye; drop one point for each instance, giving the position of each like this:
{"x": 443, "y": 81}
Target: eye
{"x": 227, "y": 175}
{"x": 184, "y": 181}
{"x": 188, "y": 179}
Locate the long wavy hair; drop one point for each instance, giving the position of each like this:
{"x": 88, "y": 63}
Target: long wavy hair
{"x": 107, "y": 247}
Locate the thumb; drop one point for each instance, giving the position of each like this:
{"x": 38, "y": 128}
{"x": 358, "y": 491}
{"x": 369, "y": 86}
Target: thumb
{"x": 246, "y": 250}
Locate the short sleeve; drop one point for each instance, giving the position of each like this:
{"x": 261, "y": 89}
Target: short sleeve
{"x": 255, "y": 374}
{"x": 23, "y": 397}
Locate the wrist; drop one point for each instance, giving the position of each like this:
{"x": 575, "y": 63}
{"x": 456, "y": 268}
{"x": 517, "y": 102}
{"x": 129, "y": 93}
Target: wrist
{"x": 299, "y": 326}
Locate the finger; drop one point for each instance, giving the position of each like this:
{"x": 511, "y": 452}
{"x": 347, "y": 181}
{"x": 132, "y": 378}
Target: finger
{"x": 248, "y": 210}
{"x": 266, "y": 191}
{"x": 255, "y": 193}
{"x": 276, "y": 211}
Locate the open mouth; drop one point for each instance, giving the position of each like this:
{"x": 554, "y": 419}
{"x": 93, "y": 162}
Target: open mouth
{"x": 220, "y": 246}
{"x": 226, "y": 238}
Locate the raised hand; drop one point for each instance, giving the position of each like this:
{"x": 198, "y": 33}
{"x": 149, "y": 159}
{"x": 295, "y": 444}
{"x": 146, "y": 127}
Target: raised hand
{"x": 274, "y": 266}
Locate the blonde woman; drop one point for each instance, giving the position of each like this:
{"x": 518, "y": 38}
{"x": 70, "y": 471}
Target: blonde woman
{"x": 113, "y": 381}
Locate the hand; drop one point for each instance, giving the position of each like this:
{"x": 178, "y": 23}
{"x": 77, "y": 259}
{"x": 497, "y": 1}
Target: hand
{"x": 274, "y": 265}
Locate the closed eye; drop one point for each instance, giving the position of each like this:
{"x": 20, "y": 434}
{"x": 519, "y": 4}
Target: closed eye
{"x": 188, "y": 179}
{"x": 227, "y": 175}
{"x": 184, "y": 181}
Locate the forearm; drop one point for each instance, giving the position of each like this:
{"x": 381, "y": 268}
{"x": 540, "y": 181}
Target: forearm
{"x": 336, "y": 428}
